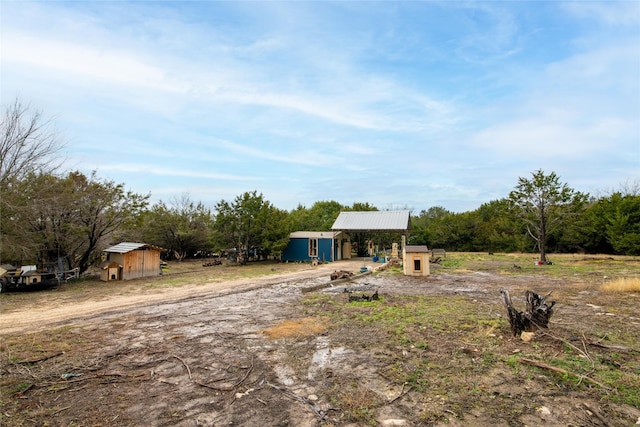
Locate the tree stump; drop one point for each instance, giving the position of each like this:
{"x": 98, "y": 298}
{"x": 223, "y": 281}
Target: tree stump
{"x": 536, "y": 315}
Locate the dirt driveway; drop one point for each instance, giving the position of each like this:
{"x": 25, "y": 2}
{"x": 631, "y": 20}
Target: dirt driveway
{"x": 290, "y": 350}
{"x": 58, "y": 309}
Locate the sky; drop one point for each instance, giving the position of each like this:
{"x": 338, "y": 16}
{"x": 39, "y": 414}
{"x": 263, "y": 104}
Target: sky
{"x": 399, "y": 104}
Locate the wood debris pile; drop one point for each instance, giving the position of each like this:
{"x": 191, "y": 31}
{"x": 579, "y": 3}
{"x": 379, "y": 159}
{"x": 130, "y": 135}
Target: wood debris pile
{"x": 341, "y": 275}
{"x": 362, "y": 297}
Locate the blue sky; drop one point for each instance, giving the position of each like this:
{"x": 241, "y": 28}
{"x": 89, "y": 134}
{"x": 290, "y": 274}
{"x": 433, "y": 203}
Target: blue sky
{"x": 398, "y": 104}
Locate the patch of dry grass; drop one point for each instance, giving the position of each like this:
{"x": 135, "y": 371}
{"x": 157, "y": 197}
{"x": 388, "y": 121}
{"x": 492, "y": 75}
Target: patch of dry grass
{"x": 624, "y": 284}
{"x": 308, "y": 326}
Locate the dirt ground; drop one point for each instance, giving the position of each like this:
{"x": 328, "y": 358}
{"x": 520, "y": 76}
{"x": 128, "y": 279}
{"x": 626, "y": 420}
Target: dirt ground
{"x": 289, "y": 350}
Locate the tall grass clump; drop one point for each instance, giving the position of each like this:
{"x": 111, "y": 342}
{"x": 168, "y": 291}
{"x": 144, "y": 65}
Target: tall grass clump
{"x": 623, "y": 284}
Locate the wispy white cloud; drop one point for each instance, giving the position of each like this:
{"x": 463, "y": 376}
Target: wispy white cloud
{"x": 81, "y": 61}
{"x": 145, "y": 168}
{"x": 285, "y": 154}
{"x": 612, "y": 13}
{"x": 348, "y": 99}
{"x": 492, "y": 33}
{"x": 379, "y": 102}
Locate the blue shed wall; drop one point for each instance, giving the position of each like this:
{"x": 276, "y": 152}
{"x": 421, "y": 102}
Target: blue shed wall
{"x": 298, "y": 250}
{"x": 324, "y": 250}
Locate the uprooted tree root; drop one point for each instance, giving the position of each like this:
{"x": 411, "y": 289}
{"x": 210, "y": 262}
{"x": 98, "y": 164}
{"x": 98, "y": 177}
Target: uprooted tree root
{"x": 535, "y": 316}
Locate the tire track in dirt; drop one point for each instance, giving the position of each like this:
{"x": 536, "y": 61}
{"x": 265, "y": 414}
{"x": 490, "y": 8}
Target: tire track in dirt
{"x": 47, "y": 315}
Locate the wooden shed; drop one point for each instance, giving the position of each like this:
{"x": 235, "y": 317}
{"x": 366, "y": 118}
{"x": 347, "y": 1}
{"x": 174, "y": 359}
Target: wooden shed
{"x": 416, "y": 260}
{"x": 128, "y": 260}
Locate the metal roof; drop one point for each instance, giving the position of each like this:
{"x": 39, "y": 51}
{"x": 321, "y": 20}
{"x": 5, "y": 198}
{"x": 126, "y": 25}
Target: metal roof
{"x": 313, "y": 234}
{"x": 372, "y": 221}
{"x": 124, "y": 247}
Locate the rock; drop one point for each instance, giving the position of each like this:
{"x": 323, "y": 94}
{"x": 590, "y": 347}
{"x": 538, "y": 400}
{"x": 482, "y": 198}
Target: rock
{"x": 527, "y": 336}
{"x": 544, "y": 411}
{"x": 394, "y": 422}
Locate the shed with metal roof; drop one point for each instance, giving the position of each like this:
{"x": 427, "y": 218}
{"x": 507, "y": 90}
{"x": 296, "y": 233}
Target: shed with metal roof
{"x": 323, "y": 246}
{"x": 132, "y": 261}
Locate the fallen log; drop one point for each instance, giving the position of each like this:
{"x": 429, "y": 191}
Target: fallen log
{"x": 535, "y": 316}
{"x": 562, "y": 371}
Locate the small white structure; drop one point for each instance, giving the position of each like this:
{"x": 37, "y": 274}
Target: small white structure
{"x": 416, "y": 260}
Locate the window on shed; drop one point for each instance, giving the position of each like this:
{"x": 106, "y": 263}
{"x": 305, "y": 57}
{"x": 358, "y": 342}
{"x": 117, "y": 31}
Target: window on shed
{"x": 313, "y": 247}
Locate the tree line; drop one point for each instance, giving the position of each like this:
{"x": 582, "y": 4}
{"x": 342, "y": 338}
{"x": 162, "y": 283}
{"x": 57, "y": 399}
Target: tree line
{"x": 46, "y": 215}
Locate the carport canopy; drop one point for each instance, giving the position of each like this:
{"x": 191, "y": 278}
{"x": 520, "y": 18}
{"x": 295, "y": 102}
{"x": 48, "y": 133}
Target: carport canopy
{"x": 372, "y": 221}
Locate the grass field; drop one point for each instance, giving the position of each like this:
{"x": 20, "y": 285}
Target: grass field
{"x": 441, "y": 344}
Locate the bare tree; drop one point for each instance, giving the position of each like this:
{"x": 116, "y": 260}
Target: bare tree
{"x": 28, "y": 144}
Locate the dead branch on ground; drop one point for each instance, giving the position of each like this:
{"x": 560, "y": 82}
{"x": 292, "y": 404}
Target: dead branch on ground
{"x": 229, "y": 387}
{"x": 402, "y": 393}
{"x": 597, "y": 414}
{"x": 41, "y": 359}
{"x": 185, "y": 365}
{"x": 614, "y": 347}
{"x": 316, "y": 409}
{"x": 562, "y": 371}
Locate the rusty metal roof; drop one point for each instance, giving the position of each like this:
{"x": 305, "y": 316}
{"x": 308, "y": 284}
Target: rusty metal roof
{"x": 372, "y": 221}
{"x": 124, "y": 247}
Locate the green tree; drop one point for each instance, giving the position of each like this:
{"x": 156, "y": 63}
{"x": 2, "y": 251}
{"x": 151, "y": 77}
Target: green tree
{"x": 361, "y": 207}
{"x": 431, "y": 228}
{"x": 322, "y": 215}
{"x": 275, "y": 231}
{"x": 612, "y": 224}
{"x": 250, "y": 222}
{"x": 496, "y": 231}
{"x": 74, "y": 216}
{"x": 182, "y": 227}
{"x": 544, "y": 204}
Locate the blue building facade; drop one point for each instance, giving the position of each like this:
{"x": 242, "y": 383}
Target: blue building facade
{"x": 305, "y": 246}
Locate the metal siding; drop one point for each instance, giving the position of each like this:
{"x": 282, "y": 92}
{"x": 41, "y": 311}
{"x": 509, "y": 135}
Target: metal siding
{"x": 324, "y": 249}
{"x": 296, "y": 250}
{"x": 373, "y": 220}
